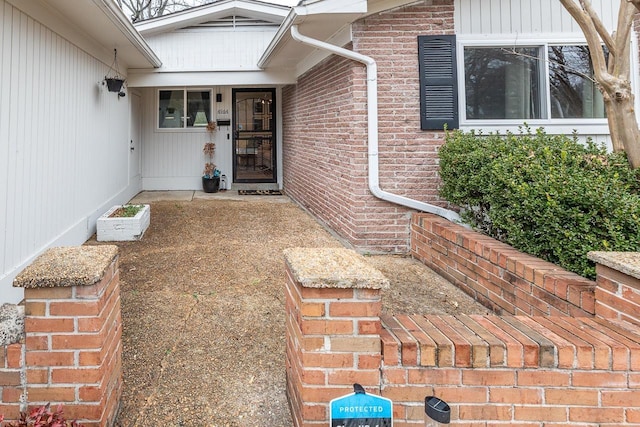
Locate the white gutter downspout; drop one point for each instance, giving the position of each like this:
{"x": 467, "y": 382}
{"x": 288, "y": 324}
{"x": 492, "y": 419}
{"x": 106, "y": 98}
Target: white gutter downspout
{"x": 372, "y": 128}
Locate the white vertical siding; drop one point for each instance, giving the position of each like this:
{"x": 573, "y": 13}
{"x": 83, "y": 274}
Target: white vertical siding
{"x": 63, "y": 143}
{"x": 211, "y": 49}
{"x": 523, "y": 16}
{"x": 173, "y": 159}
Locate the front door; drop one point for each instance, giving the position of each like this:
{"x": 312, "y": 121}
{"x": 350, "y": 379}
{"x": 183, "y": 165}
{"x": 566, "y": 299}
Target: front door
{"x": 254, "y": 144}
{"x": 135, "y": 145}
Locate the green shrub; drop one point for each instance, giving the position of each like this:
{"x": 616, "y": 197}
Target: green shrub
{"x": 546, "y": 195}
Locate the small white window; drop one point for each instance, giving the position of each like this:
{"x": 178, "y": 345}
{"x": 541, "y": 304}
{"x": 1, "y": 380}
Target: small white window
{"x": 172, "y": 105}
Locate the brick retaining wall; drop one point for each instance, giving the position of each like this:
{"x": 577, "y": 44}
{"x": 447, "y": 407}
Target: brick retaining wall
{"x": 513, "y": 370}
{"x": 493, "y": 370}
{"x": 71, "y": 353}
{"x": 497, "y": 275}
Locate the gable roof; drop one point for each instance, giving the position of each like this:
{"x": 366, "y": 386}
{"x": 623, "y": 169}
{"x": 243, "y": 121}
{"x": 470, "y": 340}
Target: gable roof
{"x": 218, "y": 10}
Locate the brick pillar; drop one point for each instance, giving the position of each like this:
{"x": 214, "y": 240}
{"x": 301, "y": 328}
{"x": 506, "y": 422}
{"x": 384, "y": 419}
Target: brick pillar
{"x": 332, "y": 329}
{"x": 73, "y": 332}
{"x": 618, "y": 285}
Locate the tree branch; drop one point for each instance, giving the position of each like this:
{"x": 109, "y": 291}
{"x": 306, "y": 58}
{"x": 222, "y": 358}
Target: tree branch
{"x": 608, "y": 41}
{"x": 591, "y": 34}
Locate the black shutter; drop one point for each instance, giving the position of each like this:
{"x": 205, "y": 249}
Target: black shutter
{"x": 438, "y": 82}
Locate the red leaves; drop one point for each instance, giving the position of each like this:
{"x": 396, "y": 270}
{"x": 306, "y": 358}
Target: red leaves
{"x": 42, "y": 417}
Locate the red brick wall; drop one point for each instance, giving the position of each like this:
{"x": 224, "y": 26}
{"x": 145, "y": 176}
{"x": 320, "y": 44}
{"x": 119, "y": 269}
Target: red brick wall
{"x": 495, "y": 274}
{"x": 617, "y": 295}
{"x": 71, "y": 352}
{"x": 492, "y": 370}
{"x": 12, "y": 381}
{"x": 513, "y": 370}
{"x": 325, "y": 138}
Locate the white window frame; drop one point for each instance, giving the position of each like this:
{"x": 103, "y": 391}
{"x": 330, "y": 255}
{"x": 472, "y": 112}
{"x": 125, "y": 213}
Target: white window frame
{"x": 184, "y": 127}
{"x": 588, "y": 126}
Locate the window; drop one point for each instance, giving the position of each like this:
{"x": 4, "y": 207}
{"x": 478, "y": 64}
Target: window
{"x": 534, "y": 82}
{"x": 172, "y": 105}
{"x": 573, "y": 92}
{"x": 502, "y": 84}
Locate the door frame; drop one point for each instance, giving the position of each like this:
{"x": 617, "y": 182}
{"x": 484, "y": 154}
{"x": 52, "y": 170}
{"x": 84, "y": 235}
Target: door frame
{"x": 273, "y": 129}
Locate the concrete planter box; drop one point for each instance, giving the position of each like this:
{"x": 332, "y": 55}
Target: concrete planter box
{"x": 122, "y": 229}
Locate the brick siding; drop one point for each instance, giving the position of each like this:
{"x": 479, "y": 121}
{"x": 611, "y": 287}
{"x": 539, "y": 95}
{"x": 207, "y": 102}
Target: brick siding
{"x": 325, "y": 122}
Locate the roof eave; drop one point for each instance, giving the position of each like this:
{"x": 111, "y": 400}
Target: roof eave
{"x": 339, "y": 12}
{"x": 117, "y": 17}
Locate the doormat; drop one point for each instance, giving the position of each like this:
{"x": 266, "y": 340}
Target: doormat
{"x": 260, "y": 192}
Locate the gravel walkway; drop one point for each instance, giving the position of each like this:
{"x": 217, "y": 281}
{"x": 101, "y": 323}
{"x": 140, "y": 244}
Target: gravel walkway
{"x": 203, "y": 309}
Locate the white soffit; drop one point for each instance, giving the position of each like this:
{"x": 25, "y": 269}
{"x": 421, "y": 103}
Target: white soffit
{"x": 98, "y": 20}
{"x": 326, "y": 20}
{"x": 212, "y": 11}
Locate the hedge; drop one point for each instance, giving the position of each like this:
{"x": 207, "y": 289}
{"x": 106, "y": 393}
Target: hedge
{"x": 546, "y": 195}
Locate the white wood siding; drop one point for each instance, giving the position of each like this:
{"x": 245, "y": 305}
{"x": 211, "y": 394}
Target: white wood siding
{"x": 173, "y": 159}
{"x": 211, "y": 49}
{"x": 63, "y": 143}
{"x": 488, "y": 17}
{"x": 528, "y": 21}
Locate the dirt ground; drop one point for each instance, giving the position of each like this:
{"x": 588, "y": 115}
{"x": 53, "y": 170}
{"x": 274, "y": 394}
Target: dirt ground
{"x": 203, "y": 310}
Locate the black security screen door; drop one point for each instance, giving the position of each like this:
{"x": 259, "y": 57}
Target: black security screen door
{"x": 254, "y": 145}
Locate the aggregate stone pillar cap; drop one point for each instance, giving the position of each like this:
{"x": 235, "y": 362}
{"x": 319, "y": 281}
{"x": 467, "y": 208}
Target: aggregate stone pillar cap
{"x": 625, "y": 262}
{"x": 333, "y": 268}
{"x": 68, "y": 266}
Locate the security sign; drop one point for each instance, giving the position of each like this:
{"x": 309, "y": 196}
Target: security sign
{"x": 361, "y": 410}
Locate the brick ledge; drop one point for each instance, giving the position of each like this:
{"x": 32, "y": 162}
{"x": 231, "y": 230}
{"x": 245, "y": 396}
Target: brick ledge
{"x": 490, "y": 341}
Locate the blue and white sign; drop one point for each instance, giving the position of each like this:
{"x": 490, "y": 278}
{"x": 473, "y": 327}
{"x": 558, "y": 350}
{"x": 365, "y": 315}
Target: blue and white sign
{"x": 361, "y": 410}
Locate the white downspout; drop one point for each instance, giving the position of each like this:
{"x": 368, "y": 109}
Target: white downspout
{"x": 372, "y": 114}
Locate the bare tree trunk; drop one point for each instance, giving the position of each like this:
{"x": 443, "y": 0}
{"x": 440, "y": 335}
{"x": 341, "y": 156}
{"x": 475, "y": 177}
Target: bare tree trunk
{"x": 612, "y": 76}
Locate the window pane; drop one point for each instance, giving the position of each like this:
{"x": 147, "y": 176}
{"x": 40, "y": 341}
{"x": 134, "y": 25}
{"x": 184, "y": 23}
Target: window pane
{"x": 171, "y": 106}
{"x": 573, "y": 93}
{"x": 198, "y": 108}
{"x": 502, "y": 83}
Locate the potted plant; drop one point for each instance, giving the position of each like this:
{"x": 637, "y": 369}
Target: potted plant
{"x": 115, "y": 81}
{"x": 211, "y": 174}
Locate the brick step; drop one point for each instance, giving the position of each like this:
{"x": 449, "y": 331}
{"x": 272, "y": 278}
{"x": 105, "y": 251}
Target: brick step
{"x": 510, "y": 341}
